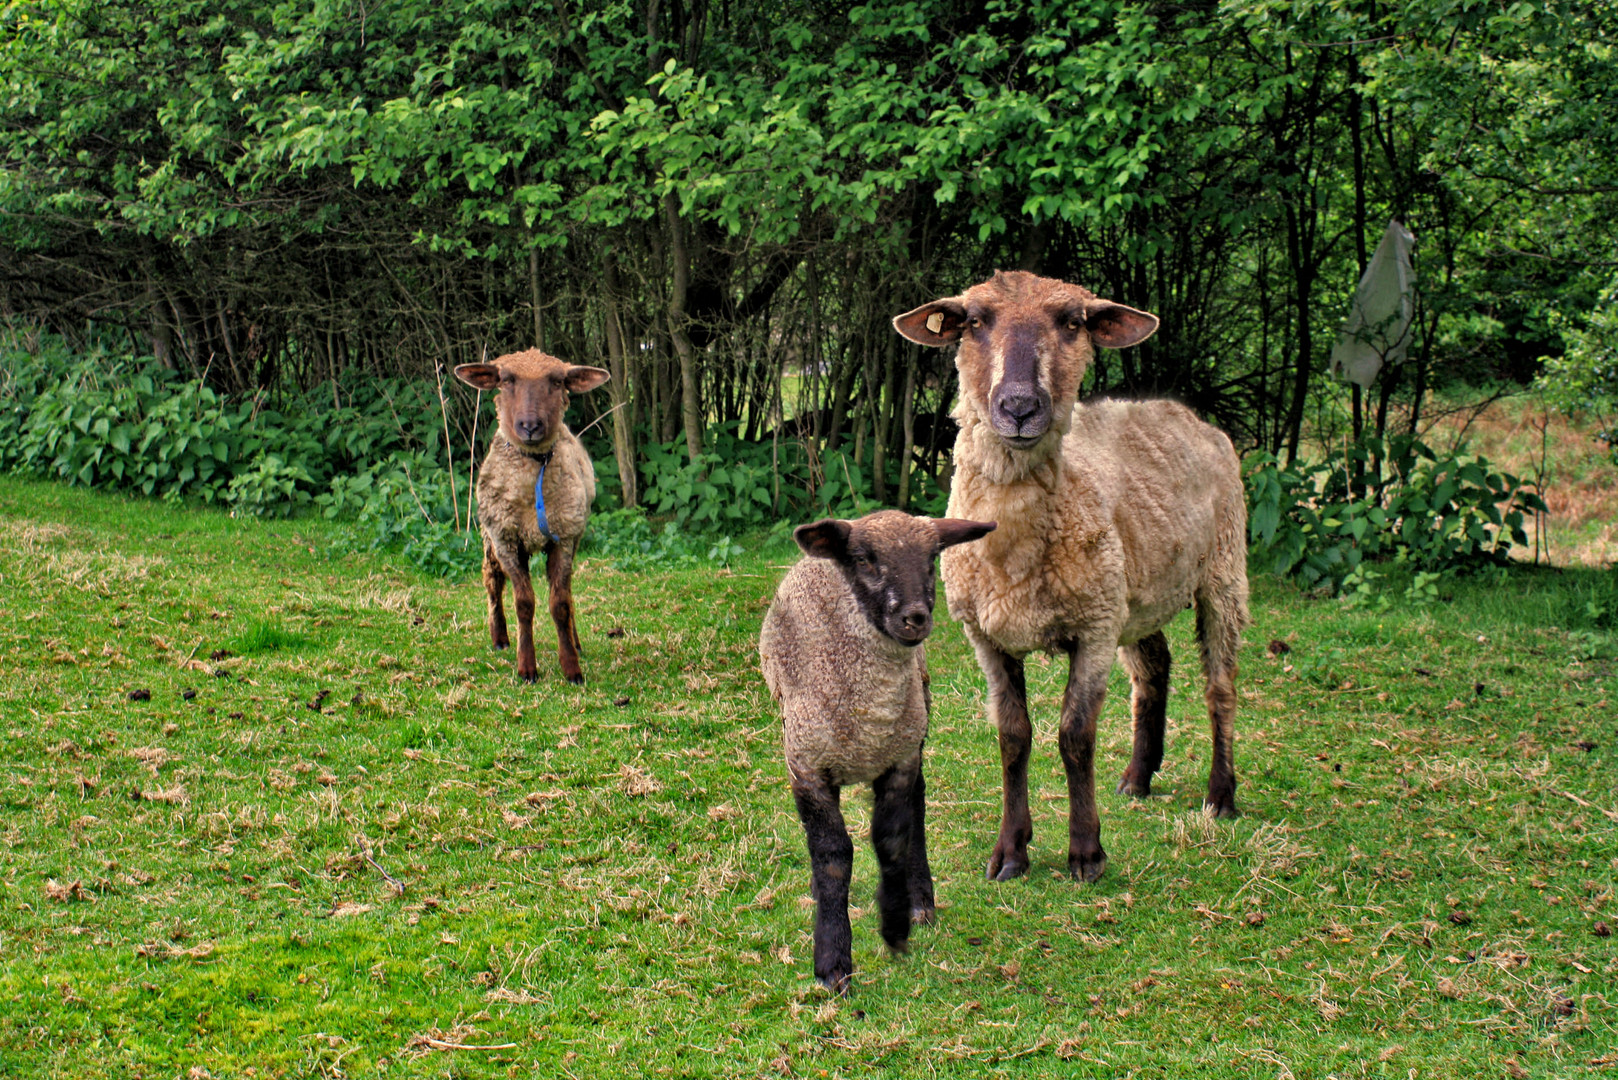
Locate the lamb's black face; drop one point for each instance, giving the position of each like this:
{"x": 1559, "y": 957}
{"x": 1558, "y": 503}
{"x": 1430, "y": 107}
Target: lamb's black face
{"x": 895, "y": 585}
{"x": 890, "y": 562}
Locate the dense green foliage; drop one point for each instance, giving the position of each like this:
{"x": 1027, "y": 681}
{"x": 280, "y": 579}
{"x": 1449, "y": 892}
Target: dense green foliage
{"x": 1585, "y": 378}
{"x": 707, "y": 198}
{"x": 1312, "y": 522}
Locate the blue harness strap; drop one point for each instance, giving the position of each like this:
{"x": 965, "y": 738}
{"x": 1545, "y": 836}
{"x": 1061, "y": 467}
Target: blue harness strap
{"x": 539, "y": 503}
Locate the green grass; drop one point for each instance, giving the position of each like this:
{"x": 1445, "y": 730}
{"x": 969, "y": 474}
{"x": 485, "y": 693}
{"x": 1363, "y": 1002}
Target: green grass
{"x": 611, "y": 880}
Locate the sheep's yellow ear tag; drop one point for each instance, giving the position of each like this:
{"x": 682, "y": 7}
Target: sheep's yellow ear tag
{"x": 935, "y": 322}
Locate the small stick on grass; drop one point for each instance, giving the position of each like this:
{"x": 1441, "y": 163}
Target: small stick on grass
{"x": 365, "y": 850}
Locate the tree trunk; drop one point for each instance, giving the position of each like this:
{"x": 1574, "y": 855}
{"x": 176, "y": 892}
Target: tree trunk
{"x": 679, "y": 287}
{"x": 907, "y": 416}
{"x": 623, "y": 435}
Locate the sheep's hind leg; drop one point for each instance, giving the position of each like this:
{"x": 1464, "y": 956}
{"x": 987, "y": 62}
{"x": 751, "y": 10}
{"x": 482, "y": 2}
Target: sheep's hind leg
{"x": 1218, "y": 632}
{"x": 923, "y": 908}
{"x": 1008, "y": 706}
{"x": 892, "y": 819}
{"x": 1081, "y": 706}
{"x": 494, "y": 582}
{"x": 1147, "y": 662}
{"x": 559, "y": 575}
{"x": 522, "y": 588}
{"x": 831, "y": 861}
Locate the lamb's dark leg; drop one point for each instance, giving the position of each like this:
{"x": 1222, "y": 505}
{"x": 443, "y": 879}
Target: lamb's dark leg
{"x": 831, "y": 861}
{"x": 1008, "y": 706}
{"x": 1081, "y": 707}
{"x": 1147, "y": 662}
{"x": 1218, "y": 632}
{"x": 892, "y": 818}
{"x": 559, "y": 575}
{"x": 522, "y": 588}
{"x": 494, "y": 582}
{"x": 922, "y": 906}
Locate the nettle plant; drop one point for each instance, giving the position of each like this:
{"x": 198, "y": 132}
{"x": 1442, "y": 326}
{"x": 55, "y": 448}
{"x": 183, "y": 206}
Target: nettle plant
{"x": 1310, "y": 522}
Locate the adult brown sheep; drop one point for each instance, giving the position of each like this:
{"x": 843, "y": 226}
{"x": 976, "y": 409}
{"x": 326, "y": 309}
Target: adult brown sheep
{"x": 534, "y": 494}
{"x": 1114, "y": 515}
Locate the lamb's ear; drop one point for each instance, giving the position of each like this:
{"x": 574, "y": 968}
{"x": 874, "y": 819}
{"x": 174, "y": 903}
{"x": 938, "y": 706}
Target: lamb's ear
{"x": 952, "y": 531}
{"x": 937, "y": 323}
{"x": 482, "y": 376}
{"x": 581, "y": 379}
{"x": 1116, "y": 326}
{"x": 825, "y": 539}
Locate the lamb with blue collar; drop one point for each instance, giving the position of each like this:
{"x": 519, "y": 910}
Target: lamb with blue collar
{"x": 534, "y": 494}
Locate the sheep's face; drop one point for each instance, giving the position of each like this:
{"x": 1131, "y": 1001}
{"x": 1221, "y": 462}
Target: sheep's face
{"x": 889, "y": 559}
{"x": 534, "y": 390}
{"x": 1025, "y": 343}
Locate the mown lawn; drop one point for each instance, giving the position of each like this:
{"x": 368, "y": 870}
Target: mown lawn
{"x": 356, "y": 845}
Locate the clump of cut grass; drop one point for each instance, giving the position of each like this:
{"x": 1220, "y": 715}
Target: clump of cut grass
{"x": 261, "y": 636}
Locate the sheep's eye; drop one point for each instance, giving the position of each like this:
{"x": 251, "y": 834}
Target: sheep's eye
{"x": 974, "y": 322}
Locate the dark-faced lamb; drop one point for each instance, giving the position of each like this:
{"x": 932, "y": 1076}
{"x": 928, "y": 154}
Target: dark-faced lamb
{"x": 841, "y": 649}
{"x": 534, "y": 494}
{"x": 1114, "y": 516}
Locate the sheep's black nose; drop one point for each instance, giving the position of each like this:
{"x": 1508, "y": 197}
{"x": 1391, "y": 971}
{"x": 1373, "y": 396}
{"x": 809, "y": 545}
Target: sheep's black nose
{"x": 917, "y": 619}
{"x": 530, "y": 429}
{"x": 1019, "y": 405}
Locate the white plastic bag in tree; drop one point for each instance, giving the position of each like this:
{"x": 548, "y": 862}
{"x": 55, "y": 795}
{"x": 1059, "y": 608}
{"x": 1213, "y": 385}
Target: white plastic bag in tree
{"x": 1378, "y": 328}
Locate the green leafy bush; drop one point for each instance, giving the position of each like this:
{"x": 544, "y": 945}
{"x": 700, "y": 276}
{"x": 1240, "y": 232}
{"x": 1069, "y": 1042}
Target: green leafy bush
{"x": 1435, "y": 514}
{"x": 628, "y": 538}
{"x": 270, "y": 488}
{"x": 731, "y": 486}
{"x": 408, "y": 503}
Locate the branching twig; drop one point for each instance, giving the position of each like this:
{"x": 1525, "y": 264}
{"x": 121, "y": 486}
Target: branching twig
{"x": 365, "y": 850}
{"x": 600, "y": 418}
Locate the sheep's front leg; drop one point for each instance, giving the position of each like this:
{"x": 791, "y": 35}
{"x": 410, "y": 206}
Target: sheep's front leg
{"x": 1147, "y": 662}
{"x": 522, "y": 589}
{"x": 892, "y": 834}
{"x": 1008, "y": 706}
{"x": 494, "y": 582}
{"x": 923, "y": 909}
{"x": 559, "y": 575}
{"x": 831, "y": 861}
{"x": 1081, "y": 707}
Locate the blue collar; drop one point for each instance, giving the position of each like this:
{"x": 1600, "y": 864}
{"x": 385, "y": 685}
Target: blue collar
{"x": 539, "y": 499}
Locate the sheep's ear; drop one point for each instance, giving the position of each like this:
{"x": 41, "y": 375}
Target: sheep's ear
{"x": 482, "y": 376}
{"x": 952, "y": 531}
{"x": 937, "y": 323}
{"x": 583, "y": 379}
{"x": 1115, "y": 326}
{"x": 826, "y": 539}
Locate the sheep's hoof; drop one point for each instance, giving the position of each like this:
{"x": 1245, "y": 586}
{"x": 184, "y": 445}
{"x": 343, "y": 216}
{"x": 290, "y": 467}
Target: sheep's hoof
{"x": 924, "y": 916}
{"x": 1225, "y": 810}
{"x": 501, "y": 646}
{"x": 839, "y": 982}
{"x": 1087, "y": 868}
{"x": 529, "y": 677}
{"x": 1138, "y": 789}
{"x": 1004, "y": 869}
{"x": 576, "y": 680}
